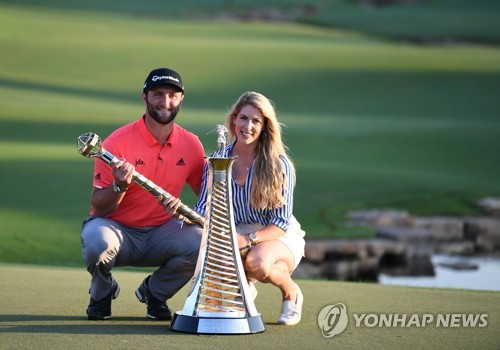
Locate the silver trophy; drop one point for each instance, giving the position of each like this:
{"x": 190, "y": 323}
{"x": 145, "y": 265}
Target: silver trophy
{"x": 219, "y": 301}
{"x": 89, "y": 145}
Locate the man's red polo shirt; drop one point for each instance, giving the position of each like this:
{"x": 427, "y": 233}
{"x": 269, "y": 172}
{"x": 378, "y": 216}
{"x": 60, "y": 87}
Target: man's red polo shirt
{"x": 179, "y": 161}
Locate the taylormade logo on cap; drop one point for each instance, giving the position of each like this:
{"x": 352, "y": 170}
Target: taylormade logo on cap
{"x": 156, "y": 78}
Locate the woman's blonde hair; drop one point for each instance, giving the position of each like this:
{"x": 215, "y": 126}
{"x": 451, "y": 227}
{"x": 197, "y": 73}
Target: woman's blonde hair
{"x": 269, "y": 175}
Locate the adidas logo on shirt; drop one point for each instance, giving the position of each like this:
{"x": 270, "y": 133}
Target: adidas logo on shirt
{"x": 180, "y": 162}
{"x": 98, "y": 176}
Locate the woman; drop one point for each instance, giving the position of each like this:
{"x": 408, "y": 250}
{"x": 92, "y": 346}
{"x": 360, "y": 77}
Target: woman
{"x": 269, "y": 237}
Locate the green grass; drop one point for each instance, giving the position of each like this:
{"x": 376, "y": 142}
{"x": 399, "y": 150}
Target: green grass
{"x": 44, "y": 308}
{"x": 421, "y": 20}
{"x": 369, "y": 123}
{"x": 418, "y": 21}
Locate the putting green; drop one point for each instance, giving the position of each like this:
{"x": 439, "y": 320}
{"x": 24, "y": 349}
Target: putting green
{"x": 44, "y": 308}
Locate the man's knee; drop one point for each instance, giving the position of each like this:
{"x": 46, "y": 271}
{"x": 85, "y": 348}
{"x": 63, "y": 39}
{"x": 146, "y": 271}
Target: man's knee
{"x": 191, "y": 247}
{"x": 99, "y": 244}
{"x": 190, "y": 255}
{"x": 95, "y": 252}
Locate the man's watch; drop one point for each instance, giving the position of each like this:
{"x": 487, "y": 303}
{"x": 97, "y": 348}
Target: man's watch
{"x": 117, "y": 188}
{"x": 254, "y": 239}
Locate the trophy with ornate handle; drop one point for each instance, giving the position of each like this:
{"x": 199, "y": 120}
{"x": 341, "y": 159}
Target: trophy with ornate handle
{"x": 219, "y": 301}
{"x": 89, "y": 145}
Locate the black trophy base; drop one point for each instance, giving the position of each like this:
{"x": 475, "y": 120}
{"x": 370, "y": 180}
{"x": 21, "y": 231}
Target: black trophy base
{"x": 217, "y": 325}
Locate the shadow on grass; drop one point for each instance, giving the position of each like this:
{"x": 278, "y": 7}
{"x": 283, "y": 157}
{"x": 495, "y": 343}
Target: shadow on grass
{"x": 57, "y": 324}
{"x": 403, "y": 93}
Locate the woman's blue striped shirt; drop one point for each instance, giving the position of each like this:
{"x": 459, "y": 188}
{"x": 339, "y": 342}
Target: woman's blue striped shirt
{"x": 243, "y": 212}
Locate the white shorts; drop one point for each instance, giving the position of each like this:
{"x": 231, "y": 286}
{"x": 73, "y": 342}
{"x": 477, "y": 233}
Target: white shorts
{"x": 293, "y": 237}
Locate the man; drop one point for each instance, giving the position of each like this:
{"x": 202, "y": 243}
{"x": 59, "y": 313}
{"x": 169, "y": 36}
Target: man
{"x": 127, "y": 226}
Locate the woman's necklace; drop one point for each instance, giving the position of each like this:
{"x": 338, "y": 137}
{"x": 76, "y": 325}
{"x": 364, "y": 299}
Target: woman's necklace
{"x": 244, "y": 163}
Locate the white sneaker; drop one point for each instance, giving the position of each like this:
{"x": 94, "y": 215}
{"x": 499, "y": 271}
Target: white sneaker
{"x": 291, "y": 311}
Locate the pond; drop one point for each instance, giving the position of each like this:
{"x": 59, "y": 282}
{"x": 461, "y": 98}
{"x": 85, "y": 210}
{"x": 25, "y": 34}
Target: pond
{"x": 478, "y": 273}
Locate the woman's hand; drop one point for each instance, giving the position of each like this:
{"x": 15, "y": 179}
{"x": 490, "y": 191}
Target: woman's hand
{"x": 244, "y": 244}
{"x": 243, "y": 240}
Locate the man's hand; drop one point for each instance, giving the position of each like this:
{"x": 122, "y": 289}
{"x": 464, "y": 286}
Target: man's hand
{"x": 171, "y": 204}
{"x": 123, "y": 172}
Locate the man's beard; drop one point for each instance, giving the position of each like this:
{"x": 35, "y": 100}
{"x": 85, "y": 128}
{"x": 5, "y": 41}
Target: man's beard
{"x": 159, "y": 116}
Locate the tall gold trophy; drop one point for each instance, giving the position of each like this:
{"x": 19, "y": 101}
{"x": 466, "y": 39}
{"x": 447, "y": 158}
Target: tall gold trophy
{"x": 219, "y": 301}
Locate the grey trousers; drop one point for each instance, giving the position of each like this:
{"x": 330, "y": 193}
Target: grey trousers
{"x": 171, "y": 247}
